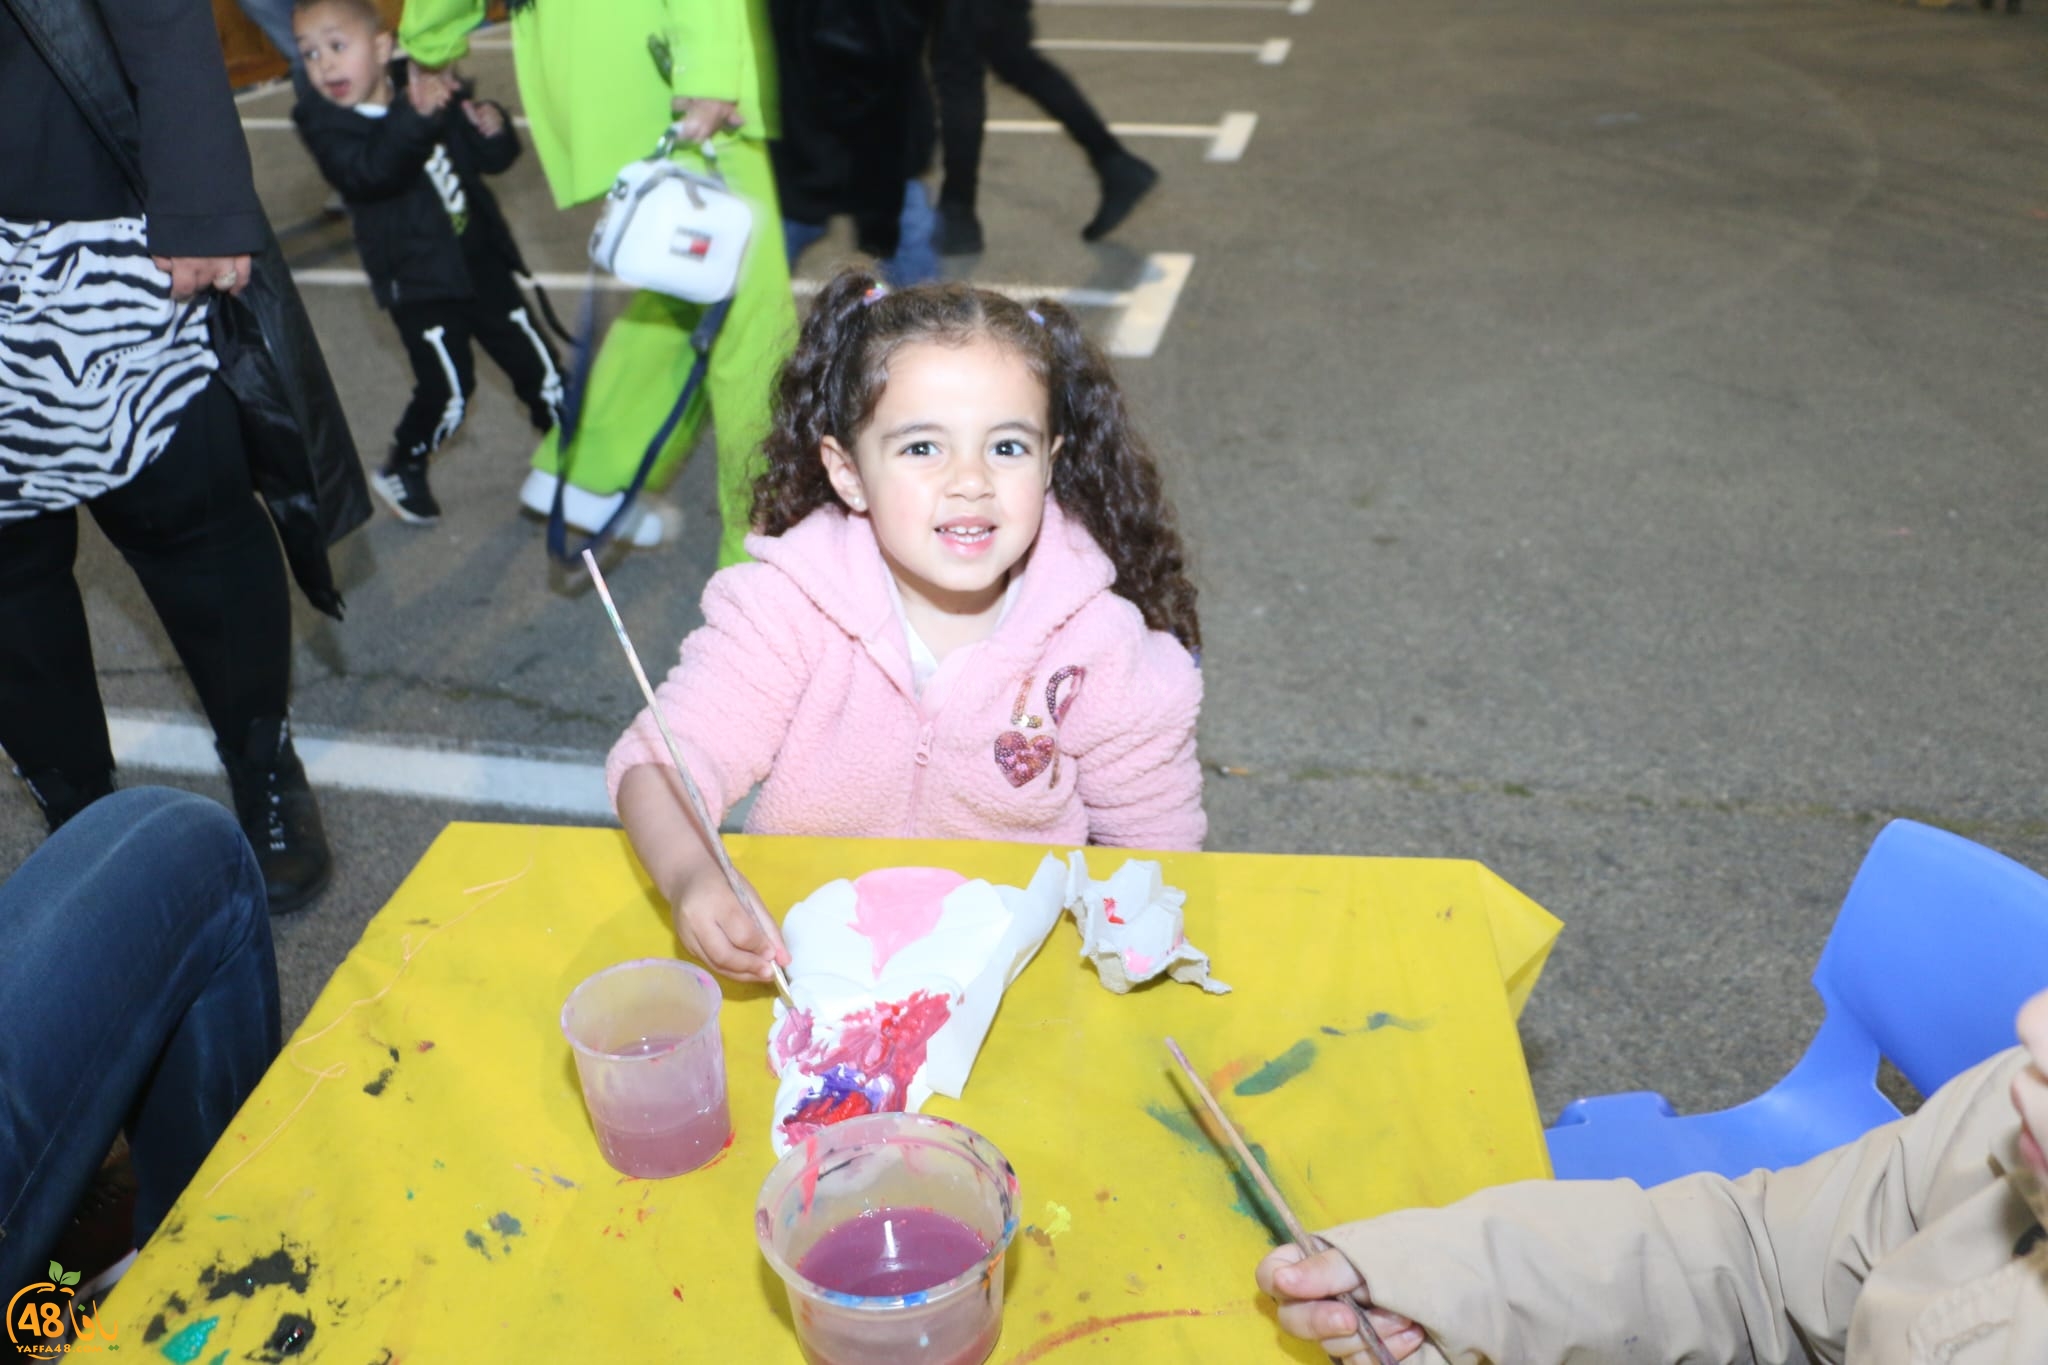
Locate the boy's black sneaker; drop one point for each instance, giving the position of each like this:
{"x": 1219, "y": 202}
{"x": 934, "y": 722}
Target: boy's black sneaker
{"x": 403, "y": 485}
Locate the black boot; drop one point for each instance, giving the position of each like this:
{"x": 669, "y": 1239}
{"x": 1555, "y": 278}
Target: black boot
{"x": 279, "y": 815}
{"x": 62, "y": 795}
{"x": 1125, "y": 180}
{"x": 959, "y": 231}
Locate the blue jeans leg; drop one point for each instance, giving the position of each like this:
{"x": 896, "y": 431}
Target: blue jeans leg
{"x": 138, "y": 991}
{"x": 799, "y": 238}
{"x": 916, "y": 260}
{"x": 274, "y": 17}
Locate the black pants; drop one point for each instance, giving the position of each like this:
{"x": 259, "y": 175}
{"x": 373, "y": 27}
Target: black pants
{"x": 190, "y": 527}
{"x": 437, "y": 338}
{"x": 996, "y": 35}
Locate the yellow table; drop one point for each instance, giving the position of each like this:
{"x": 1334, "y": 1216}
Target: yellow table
{"x": 416, "y": 1180}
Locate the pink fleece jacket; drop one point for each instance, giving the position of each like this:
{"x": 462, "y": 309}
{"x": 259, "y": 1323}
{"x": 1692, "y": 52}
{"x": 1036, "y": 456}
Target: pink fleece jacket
{"x": 1072, "y": 723}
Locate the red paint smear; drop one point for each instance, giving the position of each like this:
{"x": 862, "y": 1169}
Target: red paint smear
{"x": 640, "y": 1214}
{"x": 425, "y": 1045}
{"x": 810, "y": 1173}
{"x": 1088, "y": 1327}
{"x": 1109, "y": 909}
{"x": 722, "y": 1151}
{"x": 677, "y": 1290}
{"x": 883, "y": 1046}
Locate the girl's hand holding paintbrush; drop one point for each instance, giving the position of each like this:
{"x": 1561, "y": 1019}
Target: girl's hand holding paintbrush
{"x": 715, "y": 926}
{"x": 1315, "y": 1298}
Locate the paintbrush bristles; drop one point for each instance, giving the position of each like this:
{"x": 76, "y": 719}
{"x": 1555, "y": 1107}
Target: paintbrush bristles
{"x": 1305, "y": 1240}
{"x": 693, "y": 798}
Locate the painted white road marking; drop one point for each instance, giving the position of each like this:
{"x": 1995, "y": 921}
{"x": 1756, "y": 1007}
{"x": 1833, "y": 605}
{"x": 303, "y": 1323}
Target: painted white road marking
{"x": 1143, "y": 310}
{"x": 552, "y": 784}
{"x": 1227, "y": 139}
{"x": 1149, "y": 306}
{"x": 1233, "y": 135}
{"x": 1272, "y": 52}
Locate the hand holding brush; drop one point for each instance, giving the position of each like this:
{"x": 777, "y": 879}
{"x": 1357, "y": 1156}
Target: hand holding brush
{"x": 1322, "y": 1296}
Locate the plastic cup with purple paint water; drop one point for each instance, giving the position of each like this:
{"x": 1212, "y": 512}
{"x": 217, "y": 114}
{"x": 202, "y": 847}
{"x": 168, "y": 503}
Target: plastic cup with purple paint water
{"x": 889, "y": 1232}
{"x": 648, "y": 1052}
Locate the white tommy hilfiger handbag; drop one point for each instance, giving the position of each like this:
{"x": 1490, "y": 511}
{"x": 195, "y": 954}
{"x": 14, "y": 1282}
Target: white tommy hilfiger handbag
{"x": 677, "y": 232}
{"x": 673, "y": 230}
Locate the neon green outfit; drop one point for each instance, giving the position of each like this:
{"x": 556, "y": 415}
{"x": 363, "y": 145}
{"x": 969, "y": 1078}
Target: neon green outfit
{"x": 596, "y": 97}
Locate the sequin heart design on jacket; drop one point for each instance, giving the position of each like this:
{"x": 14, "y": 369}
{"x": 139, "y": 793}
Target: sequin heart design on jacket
{"x": 1022, "y": 759}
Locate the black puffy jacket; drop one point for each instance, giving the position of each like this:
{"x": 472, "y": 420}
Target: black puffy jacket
{"x": 408, "y": 242}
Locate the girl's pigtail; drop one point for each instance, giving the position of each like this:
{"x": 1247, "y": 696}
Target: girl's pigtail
{"x": 808, "y": 406}
{"x": 1107, "y": 479}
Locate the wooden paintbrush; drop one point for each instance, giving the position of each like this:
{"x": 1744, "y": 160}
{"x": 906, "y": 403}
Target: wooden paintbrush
{"x": 1309, "y": 1243}
{"x": 699, "y": 813}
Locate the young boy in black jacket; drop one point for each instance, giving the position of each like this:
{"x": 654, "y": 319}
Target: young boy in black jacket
{"x": 438, "y": 253}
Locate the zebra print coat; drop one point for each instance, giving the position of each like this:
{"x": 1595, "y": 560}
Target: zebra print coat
{"x": 302, "y": 458}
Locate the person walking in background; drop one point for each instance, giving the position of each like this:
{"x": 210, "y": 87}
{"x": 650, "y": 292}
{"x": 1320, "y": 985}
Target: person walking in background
{"x": 996, "y": 35}
{"x": 600, "y": 84}
{"x": 274, "y": 17}
{"x": 156, "y": 368}
{"x": 440, "y": 256}
{"x": 857, "y": 129}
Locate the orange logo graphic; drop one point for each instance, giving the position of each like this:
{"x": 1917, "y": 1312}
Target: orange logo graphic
{"x": 44, "y": 1321}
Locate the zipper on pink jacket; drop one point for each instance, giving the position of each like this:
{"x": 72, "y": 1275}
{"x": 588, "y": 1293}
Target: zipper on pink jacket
{"x": 924, "y": 759}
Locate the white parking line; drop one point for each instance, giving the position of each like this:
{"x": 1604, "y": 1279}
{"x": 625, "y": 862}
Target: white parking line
{"x": 1272, "y": 52}
{"x": 531, "y": 781}
{"x": 1150, "y": 305}
{"x": 1143, "y": 310}
{"x": 1227, "y": 139}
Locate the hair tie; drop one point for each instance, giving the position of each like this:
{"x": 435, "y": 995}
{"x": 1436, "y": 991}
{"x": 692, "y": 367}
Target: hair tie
{"x": 874, "y": 292}
{"x": 1035, "y": 316}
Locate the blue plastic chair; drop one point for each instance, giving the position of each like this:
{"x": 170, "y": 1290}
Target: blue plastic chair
{"x": 1936, "y": 946}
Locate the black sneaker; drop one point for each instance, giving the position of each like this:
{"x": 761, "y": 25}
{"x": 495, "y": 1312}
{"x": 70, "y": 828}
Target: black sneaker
{"x": 959, "y": 231}
{"x": 403, "y": 485}
{"x": 1125, "y": 180}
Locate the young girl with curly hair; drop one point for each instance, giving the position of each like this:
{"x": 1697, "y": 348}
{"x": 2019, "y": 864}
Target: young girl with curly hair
{"x": 969, "y": 615}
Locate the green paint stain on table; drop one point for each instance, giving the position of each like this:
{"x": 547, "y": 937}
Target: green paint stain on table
{"x": 185, "y": 1347}
{"x": 1179, "y": 1122}
{"x": 1279, "y": 1071}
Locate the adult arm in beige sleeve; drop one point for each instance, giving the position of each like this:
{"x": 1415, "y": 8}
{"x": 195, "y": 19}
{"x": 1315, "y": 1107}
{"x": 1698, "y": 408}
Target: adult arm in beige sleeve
{"x": 1766, "y": 1268}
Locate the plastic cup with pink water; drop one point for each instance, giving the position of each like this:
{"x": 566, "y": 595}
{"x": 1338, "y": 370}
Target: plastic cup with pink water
{"x": 648, "y": 1052}
{"x": 889, "y": 1232}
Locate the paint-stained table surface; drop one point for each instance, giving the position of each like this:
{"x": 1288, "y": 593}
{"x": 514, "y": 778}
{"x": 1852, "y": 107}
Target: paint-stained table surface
{"x": 416, "y": 1180}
